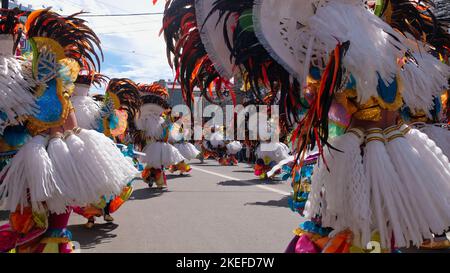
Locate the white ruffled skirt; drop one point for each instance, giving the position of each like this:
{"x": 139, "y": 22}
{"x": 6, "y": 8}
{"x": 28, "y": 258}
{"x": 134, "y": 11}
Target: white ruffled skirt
{"x": 399, "y": 186}
{"x": 187, "y": 150}
{"x": 441, "y": 136}
{"x": 161, "y": 154}
{"x": 234, "y": 147}
{"x": 73, "y": 170}
{"x": 275, "y": 151}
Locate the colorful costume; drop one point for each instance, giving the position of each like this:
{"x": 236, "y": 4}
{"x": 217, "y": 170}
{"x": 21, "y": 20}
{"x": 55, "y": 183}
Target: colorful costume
{"x": 154, "y": 128}
{"x": 370, "y": 61}
{"x": 61, "y": 165}
{"x": 178, "y": 136}
{"x": 110, "y": 117}
{"x": 368, "y": 180}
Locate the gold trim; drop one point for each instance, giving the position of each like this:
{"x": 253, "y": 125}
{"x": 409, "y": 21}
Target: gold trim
{"x": 374, "y": 138}
{"x": 391, "y": 138}
{"x": 391, "y": 129}
{"x": 67, "y": 134}
{"x": 374, "y": 131}
{"x": 357, "y": 131}
{"x": 77, "y": 130}
{"x": 56, "y": 135}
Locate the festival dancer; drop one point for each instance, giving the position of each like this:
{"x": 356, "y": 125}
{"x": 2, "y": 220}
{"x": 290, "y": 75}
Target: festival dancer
{"x": 61, "y": 165}
{"x": 110, "y": 117}
{"x": 367, "y": 181}
{"x": 153, "y": 125}
{"x": 329, "y": 42}
{"x": 178, "y": 137}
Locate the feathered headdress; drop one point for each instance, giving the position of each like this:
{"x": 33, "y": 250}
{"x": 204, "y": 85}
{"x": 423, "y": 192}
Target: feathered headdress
{"x": 10, "y": 24}
{"x": 10, "y": 20}
{"x": 78, "y": 40}
{"x": 154, "y": 88}
{"x": 262, "y": 73}
{"x": 92, "y": 78}
{"x": 125, "y": 95}
{"x": 418, "y": 19}
{"x": 190, "y": 59}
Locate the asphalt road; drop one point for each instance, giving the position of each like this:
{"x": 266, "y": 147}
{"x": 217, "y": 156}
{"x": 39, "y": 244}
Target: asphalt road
{"x": 213, "y": 209}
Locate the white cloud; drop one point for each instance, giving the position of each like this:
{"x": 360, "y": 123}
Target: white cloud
{"x": 131, "y": 45}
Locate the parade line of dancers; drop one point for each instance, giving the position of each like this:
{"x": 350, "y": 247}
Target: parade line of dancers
{"x": 362, "y": 120}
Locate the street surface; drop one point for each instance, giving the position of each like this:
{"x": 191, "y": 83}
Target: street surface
{"x": 213, "y": 209}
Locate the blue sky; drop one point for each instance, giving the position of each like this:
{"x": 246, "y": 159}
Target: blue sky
{"x": 131, "y": 45}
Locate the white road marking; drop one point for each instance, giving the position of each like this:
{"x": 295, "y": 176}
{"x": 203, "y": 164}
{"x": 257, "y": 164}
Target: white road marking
{"x": 267, "y": 188}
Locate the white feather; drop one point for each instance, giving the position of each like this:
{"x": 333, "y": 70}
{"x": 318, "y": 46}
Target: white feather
{"x": 87, "y": 111}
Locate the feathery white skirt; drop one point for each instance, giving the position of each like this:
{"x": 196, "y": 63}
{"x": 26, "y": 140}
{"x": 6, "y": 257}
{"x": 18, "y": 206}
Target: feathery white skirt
{"x": 70, "y": 171}
{"x": 440, "y": 136}
{"x": 275, "y": 151}
{"x": 158, "y": 154}
{"x": 187, "y": 150}
{"x": 234, "y": 147}
{"x": 400, "y": 187}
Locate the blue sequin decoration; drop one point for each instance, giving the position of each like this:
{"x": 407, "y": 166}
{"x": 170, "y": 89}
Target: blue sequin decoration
{"x": 49, "y": 104}
{"x": 387, "y": 92}
{"x": 16, "y": 136}
{"x": 314, "y": 72}
{"x": 113, "y": 122}
{"x": 351, "y": 84}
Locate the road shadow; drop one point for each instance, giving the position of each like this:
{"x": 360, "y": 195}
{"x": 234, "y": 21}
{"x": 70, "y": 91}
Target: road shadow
{"x": 4, "y": 215}
{"x": 243, "y": 171}
{"x": 206, "y": 165}
{"x": 147, "y": 193}
{"x": 90, "y": 238}
{"x": 251, "y": 182}
{"x": 416, "y": 250}
{"x": 176, "y": 176}
{"x": 283, "y": 202}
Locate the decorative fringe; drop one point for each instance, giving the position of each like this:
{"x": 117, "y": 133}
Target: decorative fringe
{"x": 151, "y": 123}
{"x": 16, "y": 90}
{"x": 118, "y": 168}
{"x": 187, "y": 150}
{"x": 217, "y": 140}
{"x": 440, "y": 136}
{"x": 234, "y": 147}
{"x": 275, "y": 151}
{"x": 387, "y": 196}
{"x": 368, "y": 35}
{"x": 160, "y": 154}
{"x": 422, "y": 80}
{"x": 341, "y": 195}
{"x": 30, "y": 173}
{"x": 426, "y": 203}
{"x": 77, "y": 190}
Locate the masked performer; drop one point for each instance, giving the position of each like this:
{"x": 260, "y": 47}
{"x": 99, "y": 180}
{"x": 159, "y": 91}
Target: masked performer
{"x": 110, "y": 117}
{"x": 62, "y": 165}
